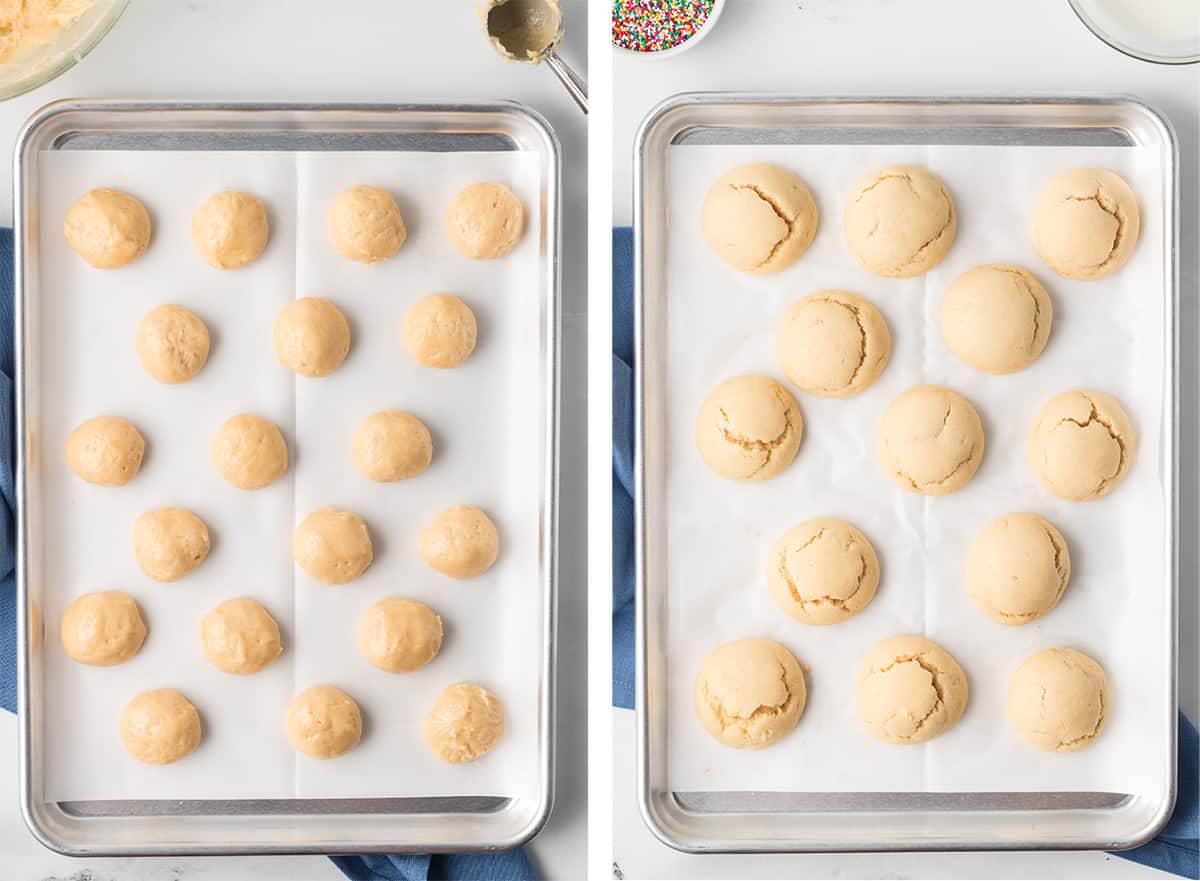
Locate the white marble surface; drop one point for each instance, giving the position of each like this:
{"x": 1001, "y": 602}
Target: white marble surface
{"x": 915, "y": 47}
{"x": 380, "y": 50}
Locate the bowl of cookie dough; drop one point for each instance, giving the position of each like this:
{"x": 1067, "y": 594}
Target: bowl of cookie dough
{"x": 41, "y": 41}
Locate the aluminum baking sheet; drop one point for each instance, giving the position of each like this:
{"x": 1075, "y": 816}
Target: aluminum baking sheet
{"x": 920, "y": 542}
{"x": 504, "y": 394}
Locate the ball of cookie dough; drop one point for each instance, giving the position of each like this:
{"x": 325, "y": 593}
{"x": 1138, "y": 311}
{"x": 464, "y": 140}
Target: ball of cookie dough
{"x": 392, "y": 445}
{"x": 168, "y": 543}
{"x": 106, "y": 450}
{"x": 439, "y": 331}
{"x": 997, "y": 318}
{"x": 909, "y": 690}
{"x": 399, "y": 635}
{"x": 1018, "y": 568}
{"x": 230, "y": 230}
{"x": 749, "y": 428}
{"x": 323, "y": 722}
{"x": 311, "y": 337}
{"x": 332, "y": 546}
{"x": 172, "y": 344}
{"x": 759, "y": 218}
{"x": 160, "y": 727}
{"x": 108, "y": 228}
{"x": 249, "y": 452}
{"x": 930, "y": 441}
{"x": 485, "y": 221}
{"x": 1081, "y": 445}
{"x": 365, "y": 224}
{"x": 240, "y": 637}
{"x": 464, "y": 723}
{"x": 833, "y": 344}
{"x": 461, "y": 542}
{"x": 102, "y": 629}
{"x": 1086, "y": 223}
{"x": 1058, "y": 700}
{"x": 823, "y": 571}
{"x": 750, "y": 693}
{"x": 900, "y": 221}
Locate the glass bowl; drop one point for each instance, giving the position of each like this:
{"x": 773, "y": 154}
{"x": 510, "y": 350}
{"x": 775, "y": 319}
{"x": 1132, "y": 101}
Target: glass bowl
{"x": 1162, "y": 31}
{"x": 39, "y": 65}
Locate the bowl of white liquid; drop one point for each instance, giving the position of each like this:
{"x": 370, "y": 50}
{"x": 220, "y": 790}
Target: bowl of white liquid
{"x": 1162, "y": 31}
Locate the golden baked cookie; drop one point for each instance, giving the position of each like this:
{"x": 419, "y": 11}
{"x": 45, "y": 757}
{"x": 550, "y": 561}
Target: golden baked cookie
{"x": 392, "y": 445}
{"x": 900, "y": 221}
{"x": 239, "y": 636}
{"x": 485, "y": 221}
{"x": 1018, "y": 568}
{"x": 997, "y": 318}
{"x": 102, "y": 629}
{"x": 332, "y": 546}
{"x": 750, "y": 693}
{"x": 461, "y": 542}
{"x": 1058, "y": 700}
{"x": 833, "y": 343}
{"x": 168, "y": 543}
{"x": 172, "y": 344}
{"x": 400, "y": 635}
{"x": 759, "y": 218}
{"x": 311, "y": 337}
{"x": 930, "y": 441}
{"x": 464, "y": 724}
{"x": 749, "y": 428}
{"x": 365, "y": 225}
{"x": 249, "y": 452}
{"x": 106, "y": 450}
{"x": 108, "y": 228}
{"x": 160, "y": 727}
{"x": 1081, "y": 445}
{"x": 822, "y": 571}
{"x": 909, "y": 690}
{"x": 230, "y": 230}
{"x": 323, "y": 722}
{"x": 1086, "y": 223}
{"x": 439, "y": 331}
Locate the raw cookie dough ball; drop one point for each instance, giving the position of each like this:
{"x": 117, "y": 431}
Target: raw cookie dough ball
{"x": 108, "y": 228}
{"x": 461, "y": 542}
{"x": 249, "y": 452}
{"x": 392, "y": 445}
{"x": 323, "y": 722}
{"x": 168, "y": 543}
{"x": 311, "y": 337}
{"x": 102, "y": 629}
{"x": 332, "y": 545}
{"x": 106, "y": 450}
{"x": 230, "y": 230}
{"x": 1086, "y": 223}
{"x": 930, "y": 441}
{"x": 160, "y": 727}
{"x": 1018, "y": 568}
{"x": 1058, "y": 700}
{"x": 750, "y": 693}
{"x": 439, "y": 331}
{"x": 997, "y": 318}
{"x": 833, "y": 344}
{"x": 365, "y": 224}
{"x": 398, "y": 635}
{"x": 900, "y": 221}
{"x": 759, "y": 218}
{"x": 172, "y": 344}
{"x": 240, "y": 636}
{"x": 909, "y": 690}
{"x": 1081, "y": 445}
{"x": 749, "y": 428}
{"x": 485, "y": 221}
{"x": 823, "y": 571}
{"x": 464, "y": 723}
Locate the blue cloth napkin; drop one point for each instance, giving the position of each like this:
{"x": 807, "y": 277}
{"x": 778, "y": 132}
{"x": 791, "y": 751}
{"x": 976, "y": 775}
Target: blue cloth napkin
{"x": 508, "y": 866}
{"x": 1177, "y": 847}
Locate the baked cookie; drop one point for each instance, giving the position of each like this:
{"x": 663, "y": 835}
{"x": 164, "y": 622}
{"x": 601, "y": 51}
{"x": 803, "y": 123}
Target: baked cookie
{"x": 464, "y": 724}
{"x": 900, "y": 221}
{"x": 392, "y": 445}
{"x": 997, "y": 318}
{"x": 107, "y": 228}
{"x": 311, "y": 337}
{"x": 323, "y": 722}
{"x": 230, "y": 230}
{"x": 750, "y": 693}
{"x": 1086, "y": 223}
{"x": 439, "y": 331}
{"x": 461, "y": 542}
{"x": 249, "y": 452}
{"x": 160, "y": 727}
{"x": 168, "y": 543}
{"x": 1018, "y": 568}
{"x": 485, "y": 221}
{"x": 930, "y": 441}
{"x": 909, "y": 690}
{"x": 749, "y": 428}
{"x": 399, "y": 635}
{"x": 1058, "y": 700}
{"x": 833, "y": 344}
{"x": 102, "y": 629}
{"x": 240, "y": 637}
{"x": 106, "y": 450}
{"x": 823, "y": 571}
{"x": 365, "y": 225}
{"x": 1081, "y": 445}
{"x": 172, "y": 344}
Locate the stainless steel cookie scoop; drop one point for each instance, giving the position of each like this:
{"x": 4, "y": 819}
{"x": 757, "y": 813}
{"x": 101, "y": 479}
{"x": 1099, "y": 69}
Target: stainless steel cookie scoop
{"x": 530, "y": 31}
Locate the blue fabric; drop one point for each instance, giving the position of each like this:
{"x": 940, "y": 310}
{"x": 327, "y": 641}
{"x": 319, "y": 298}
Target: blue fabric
{"x": 511, "y": 865}
{"x": 1176, "y": 849}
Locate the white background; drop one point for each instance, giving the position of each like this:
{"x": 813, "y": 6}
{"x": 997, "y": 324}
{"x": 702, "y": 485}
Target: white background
{"x": 380, "y": 50}
{"x": 911, "y": 47}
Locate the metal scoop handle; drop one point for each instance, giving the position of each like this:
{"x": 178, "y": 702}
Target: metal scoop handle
{"x": 571, "y": 81}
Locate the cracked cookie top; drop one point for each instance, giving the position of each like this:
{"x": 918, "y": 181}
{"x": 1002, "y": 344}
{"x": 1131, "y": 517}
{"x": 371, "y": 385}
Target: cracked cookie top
{"x": 930, "y": 441}
{"x": 900, "y": 221}
{"x": 1086, "y": 223}
{"x": 759, "y": 218}
{"x": 823, "y": 571}
{"x": 1058, "y": 700}
{"x": 1018, "y": 568}
{"x": 997, "y": 318}
{"x": 749, "y": 428}
{"x": 909, "y": 690}
{"x": 750, "y": 693}
{"x": 833, "y": 343}
{"x": 1081, "y": 445}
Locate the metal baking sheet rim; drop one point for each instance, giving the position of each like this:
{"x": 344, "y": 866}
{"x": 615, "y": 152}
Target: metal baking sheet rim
{"x": 287, "y": 828}
{"x": 1009, "y": 821}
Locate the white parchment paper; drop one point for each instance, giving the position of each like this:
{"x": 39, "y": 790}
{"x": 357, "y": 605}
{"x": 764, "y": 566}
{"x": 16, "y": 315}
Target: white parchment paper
{"x": 484, "y": 416}
{"x": 1107, "y": 335}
